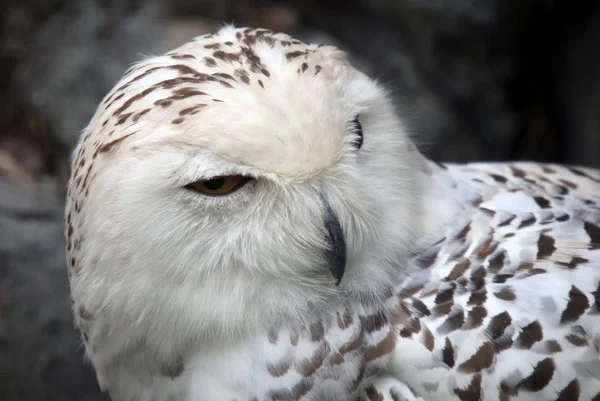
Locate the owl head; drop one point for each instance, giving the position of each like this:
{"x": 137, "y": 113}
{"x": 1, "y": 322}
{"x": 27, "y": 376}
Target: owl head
{"x": 238, "y": 181}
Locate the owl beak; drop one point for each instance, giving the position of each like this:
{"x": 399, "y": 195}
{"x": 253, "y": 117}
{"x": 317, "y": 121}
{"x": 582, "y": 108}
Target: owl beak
{"x": 336, "y": 252}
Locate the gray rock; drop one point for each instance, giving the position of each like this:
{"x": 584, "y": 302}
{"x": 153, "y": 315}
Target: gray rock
{"x": 79, "y": 52}
{"x": 40, "y": 351}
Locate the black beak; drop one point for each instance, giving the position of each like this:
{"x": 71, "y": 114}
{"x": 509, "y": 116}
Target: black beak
{"x": 336, "y": 253}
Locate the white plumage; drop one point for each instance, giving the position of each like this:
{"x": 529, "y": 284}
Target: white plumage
{"x": 247, "y": 219}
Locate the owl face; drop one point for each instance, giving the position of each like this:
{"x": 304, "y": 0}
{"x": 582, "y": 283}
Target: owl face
{"x": 239, "y": 178}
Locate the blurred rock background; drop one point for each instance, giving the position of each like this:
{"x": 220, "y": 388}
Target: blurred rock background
{"x": 475, "y": 80}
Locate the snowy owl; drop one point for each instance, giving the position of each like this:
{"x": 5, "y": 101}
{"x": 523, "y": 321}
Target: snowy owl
{"x": 247, "y": 219}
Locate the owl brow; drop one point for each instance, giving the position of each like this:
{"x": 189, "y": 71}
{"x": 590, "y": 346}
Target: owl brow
{"x": 232, "y": 169}
{"x": 251, "y": 169}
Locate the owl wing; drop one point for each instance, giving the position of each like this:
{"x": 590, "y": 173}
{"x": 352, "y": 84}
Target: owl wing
{"x": 510, "y": 308}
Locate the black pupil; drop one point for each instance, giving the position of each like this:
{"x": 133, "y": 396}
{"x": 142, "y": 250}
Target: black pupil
{"x": 214, "y": 184}
{"x": 358, "y": 131}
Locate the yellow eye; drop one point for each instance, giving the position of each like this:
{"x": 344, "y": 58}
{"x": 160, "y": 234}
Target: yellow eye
{"x": 219, "y": 185}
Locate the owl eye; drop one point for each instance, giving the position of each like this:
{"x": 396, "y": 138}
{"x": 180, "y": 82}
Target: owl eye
{"x": 219, "y": 185}
{"x": 358, "y": 131}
